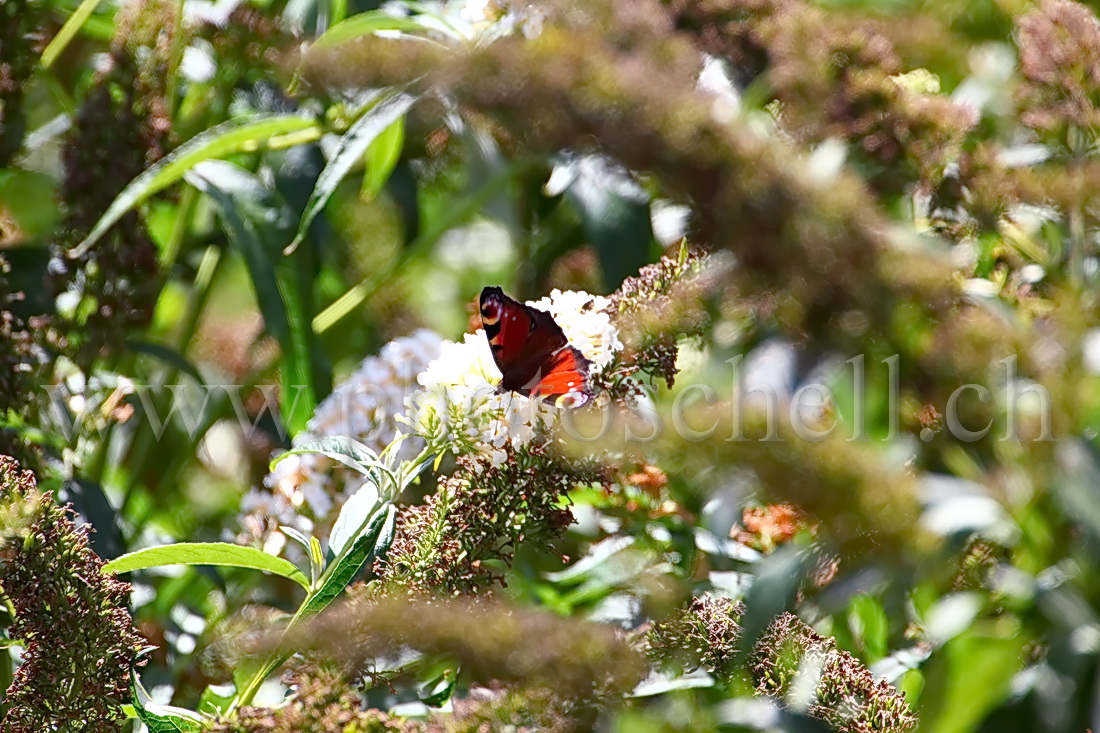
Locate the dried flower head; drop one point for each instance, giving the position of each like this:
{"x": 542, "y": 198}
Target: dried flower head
{"x": 521, "y": 710}
{"x": 80, "y": 642}
{"x": 655, "y": 309}
{"x": 847, "y": 696}
{"x": 578, "y": 660}
{"x": 465, "y": 535}
{"x": 249, "y": 43}
{"x": 1060, "y": 56}
{"x": 18, "y": 351}
{"x": 706, "y": 634}
{"x": 324, "y": 700}
{"x": 110, "y": 290}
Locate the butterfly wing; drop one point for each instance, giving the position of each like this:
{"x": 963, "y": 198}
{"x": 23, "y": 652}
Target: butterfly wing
{"x": 565, "y": 372}
{"x": 529, "y": 348}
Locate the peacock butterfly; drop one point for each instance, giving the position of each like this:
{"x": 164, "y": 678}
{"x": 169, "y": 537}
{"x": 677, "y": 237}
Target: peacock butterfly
{"x": 531, "y": 351}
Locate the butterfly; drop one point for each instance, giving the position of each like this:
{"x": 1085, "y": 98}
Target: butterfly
{"x": 531, "y": 351}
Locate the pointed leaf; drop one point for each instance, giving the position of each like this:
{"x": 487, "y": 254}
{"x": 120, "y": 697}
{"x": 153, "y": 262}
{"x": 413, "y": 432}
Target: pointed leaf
{"x": 364, "y": 24}
{"x": 295, "y": 535}
{"x": 341, "y": 449}
{"x": 235, "y": 193}
{"x": 352, "y": 148}
{"x": 207, "y": 553}
{"x": 225, "y": 139}
{"x": 162, "y": 718}
{"x": 352, "y": 520}
{"x": 375, "y": 540}
{"x": 382, "y": 157}
{"x": 256, "y": 221}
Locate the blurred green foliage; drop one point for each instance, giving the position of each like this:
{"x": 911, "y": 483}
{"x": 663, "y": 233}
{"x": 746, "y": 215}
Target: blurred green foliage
{"x": 211, "y": 212}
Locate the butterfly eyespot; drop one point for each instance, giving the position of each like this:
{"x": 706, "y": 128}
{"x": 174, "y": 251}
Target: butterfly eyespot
{"x": 490, "y": 313}
{"x": 571, "y": 399}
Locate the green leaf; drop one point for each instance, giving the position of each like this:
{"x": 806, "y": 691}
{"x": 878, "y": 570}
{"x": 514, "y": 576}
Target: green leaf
{"x": 374, "y": 540}
{"x": 207, "y": 553}
{"x": 168, "y": 355}
{"x": 68, "y": 32}
{"x": 227, "y": 138}
{"x": 365, "y": 24}
{"x": 341, "y": 449}
{"x": 382, "y": 157}
{"x": 371, "y": 543}
{"x": 256, "y": 222}
{"x": 30, "y": 198}
{"x": 162, "y": 718}
{"x": 352, "y": 519}
{"x": 614, "y": 211}
{"x": 869, "y": 625}
{"x": 351, "y": 149}
{"x": 211, "y": 702}
{"x": 237, "y": 193}
{"x": 968, "y": 678}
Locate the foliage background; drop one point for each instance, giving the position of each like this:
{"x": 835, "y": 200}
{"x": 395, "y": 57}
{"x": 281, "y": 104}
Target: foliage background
{"x": 261, "y": 194}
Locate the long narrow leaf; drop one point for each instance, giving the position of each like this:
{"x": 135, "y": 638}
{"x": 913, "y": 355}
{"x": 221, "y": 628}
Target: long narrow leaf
{"x": 352, "y": 518}
{"x": 207, "y": 553}
{"x": 382, "y": 157}
{"x": 365, "y": 24}
{"x": 161, "y": 718}
{"x": 352, "y": 148}
{"x": 225, "y": 139}
{"x": 373, "y": 541}
{"x": 342, "y": 449}
{"x": 246, "y": 207}
{"x": 68, "y": 31}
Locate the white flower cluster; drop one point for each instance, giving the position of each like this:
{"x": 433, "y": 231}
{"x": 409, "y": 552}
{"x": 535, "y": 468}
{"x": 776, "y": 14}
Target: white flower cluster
{"x": 460, "y": 409}
{"x": 303, "y": 489}
{"x": 586, "y": 322}
{"x": 442, "y": 392}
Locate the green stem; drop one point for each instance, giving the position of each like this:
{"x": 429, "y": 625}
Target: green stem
{"x": 175, "y": 59}
{"x": 68, "y": 32}
{"x": 188, "y": 199}
{"x": 204, "y": 280}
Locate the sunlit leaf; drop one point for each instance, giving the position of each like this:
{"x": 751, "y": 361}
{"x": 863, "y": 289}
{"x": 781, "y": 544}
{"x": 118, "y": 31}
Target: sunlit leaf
{"x": 206, "y": 553}
{"x": 342, "y": 449}
{"x": 365, "y": 24}
{"x": 353, "y": 517}
{"x": 352, "y": 148}
{"x": 382, "y": 157}
{"x": 162, "y": 718}
{"x": 867, "y": 619}
{"x": 373, "y": 541}
{"x": 227, "y": 138}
